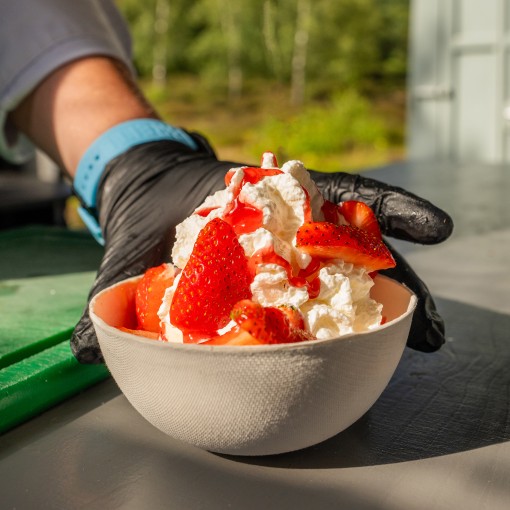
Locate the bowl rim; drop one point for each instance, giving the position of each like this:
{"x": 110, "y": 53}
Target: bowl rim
{"x": 413, "y": 301}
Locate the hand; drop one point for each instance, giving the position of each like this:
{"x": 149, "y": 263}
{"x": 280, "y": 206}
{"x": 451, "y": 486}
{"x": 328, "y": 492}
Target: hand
{"x": 147, "y": 191}
{"x": 405, "y": 216}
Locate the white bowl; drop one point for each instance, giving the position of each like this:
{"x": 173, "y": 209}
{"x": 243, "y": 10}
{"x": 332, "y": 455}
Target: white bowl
{"x": 252, "y": 400}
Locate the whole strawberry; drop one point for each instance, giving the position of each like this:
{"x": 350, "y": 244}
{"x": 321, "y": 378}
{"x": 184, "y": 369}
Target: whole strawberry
{"x": 214, "y": 279}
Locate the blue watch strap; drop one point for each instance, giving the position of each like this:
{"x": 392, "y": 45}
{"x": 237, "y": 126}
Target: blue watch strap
{"x": 109, "y": 145}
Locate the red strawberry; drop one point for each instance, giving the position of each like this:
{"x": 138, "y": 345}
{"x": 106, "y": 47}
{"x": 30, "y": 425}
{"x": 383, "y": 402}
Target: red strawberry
{"x": 139, "y": 332}
{"x": 358, "y": 214}
{"x": 269, "y": 325}
{"x": 293, "y": 316}
{"x": 235, "y": 336}
{"x": 331, "y": 212}
{"x": 214, "y": 279}
{"x": 251, "y": 317}
{"x": 149, "y": 294}
{"x": 351, "y": 244}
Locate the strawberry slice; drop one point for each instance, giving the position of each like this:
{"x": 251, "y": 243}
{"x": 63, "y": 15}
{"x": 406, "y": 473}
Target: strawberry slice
{"x": 251, "y": 317}
{"x": 358, "y": 214}
{"x": 215, "y": 277}
{"x": 355, "y": 213}
{"x": 149, "y": 294}
{"x": 294, "y": 316}
{"x": 269, "y": 325}
{"x": 235, "y": 336}
{"x": 346, "y": 242}
{"x": 331, "y": 212}
{"x": 140, "y": 332}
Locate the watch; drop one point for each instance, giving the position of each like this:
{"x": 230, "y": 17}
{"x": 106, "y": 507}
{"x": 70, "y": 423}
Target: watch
{"x": 109, "y": 145}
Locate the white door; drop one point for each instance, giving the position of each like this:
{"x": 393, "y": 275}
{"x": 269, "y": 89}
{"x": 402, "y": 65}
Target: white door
{"x": 459, "y": 86}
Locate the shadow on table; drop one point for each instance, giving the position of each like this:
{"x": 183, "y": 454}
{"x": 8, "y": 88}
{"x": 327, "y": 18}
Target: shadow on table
{"x": 436, "y": 404}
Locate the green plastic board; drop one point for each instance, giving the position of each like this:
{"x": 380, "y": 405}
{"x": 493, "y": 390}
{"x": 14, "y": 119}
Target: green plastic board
{"x": 45, "y": 277}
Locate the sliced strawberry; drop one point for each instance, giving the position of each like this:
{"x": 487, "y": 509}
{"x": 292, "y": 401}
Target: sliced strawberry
{"x": 346, "y": 242}
{"x": 149, "y": 294}
{"x": 358, "y": 214}
{"x": 235, "y": 336}
{"x": 331, "y": 212}
{"x": 140, "y": 332}
{"x": 250, "y": 317}
{"x": 214, "y": 279}
{"x": 269, "y": 325}
{"x": 294, "y": 316}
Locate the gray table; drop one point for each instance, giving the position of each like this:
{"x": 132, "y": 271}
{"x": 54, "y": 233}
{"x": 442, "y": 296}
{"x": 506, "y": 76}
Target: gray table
{"x": 438, "y": 438}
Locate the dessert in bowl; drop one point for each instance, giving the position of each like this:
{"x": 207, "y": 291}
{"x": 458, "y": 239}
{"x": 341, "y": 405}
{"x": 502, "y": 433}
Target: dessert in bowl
{"x": 252, "y": 400}
{"x": 271, "y": 331}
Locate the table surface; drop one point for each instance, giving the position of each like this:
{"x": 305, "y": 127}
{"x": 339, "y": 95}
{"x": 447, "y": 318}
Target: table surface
{"x": 437, "y": 438}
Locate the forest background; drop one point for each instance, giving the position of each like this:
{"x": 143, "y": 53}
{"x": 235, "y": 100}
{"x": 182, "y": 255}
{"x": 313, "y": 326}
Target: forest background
{"x": 318, "y": 80}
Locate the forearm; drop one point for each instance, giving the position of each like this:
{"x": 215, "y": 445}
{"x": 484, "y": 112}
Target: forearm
{"x": 75, "y": 104}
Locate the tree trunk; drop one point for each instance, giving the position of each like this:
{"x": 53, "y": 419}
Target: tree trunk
{"x": 161, "y": 26}
{"x": 230, "y": 22}
{"x": 298, "y": 78}
{"x": 269, "y": 31}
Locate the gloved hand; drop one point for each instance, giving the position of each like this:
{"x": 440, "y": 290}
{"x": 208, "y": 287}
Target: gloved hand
{"x": 405, "y": 216}
{"x": 146, "y": 191}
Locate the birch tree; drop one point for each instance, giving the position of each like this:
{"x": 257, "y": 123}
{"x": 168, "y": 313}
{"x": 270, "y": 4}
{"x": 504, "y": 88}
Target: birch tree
{"x": 301, "y": 36}
{"x": 161, "y": 25}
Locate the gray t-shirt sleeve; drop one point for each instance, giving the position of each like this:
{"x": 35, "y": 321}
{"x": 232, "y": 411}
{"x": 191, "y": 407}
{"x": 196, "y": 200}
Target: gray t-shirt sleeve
{"x": 37, "y": 37}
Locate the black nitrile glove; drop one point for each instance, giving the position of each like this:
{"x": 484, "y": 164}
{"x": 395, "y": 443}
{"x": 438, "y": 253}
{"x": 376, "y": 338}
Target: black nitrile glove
{"x": 405, "y": 216}
{"x": 145, "y": 192}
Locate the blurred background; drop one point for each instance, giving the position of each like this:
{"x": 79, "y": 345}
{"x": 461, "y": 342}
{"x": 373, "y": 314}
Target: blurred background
{"x": 314, "y": 80}
{"x": 342, "y": 85}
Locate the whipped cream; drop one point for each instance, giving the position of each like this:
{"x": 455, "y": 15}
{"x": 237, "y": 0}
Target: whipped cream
{"x": 286, "y": 200}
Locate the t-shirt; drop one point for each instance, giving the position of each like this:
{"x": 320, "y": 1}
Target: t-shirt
{"x": 37, "y": 37}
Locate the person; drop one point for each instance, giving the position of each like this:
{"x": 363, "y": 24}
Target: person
{"x": 67, "y": 86}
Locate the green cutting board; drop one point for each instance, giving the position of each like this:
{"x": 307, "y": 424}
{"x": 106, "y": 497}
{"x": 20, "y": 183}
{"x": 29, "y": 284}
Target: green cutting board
{"x": 39, "y": 312}
{"x": 45, "y": 277}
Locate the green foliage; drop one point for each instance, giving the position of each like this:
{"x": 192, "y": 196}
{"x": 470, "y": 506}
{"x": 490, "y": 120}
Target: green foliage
{"x": 348, "y": 123}
{"x": 223, "y": 58}
{"x": 350, "y": 42}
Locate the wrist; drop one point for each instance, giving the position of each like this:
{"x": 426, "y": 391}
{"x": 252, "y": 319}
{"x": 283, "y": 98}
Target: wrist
{"x": 112, "y": 143}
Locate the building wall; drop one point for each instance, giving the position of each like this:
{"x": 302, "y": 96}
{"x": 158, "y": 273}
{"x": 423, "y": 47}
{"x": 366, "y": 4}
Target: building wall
{"x": 459, "y": 80}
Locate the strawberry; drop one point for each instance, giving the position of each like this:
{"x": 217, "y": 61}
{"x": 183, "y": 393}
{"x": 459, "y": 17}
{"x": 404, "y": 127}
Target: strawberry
{"x": 353, "y": 212}
{"x": 269, "y": 325}
{"x": 235, "y": 336}
{"x": 358, "y": 214}
{"x": 149, "y": 294}
{"x": 215, "y": 277}
{"x": 250, "y": 316}
{"x": 140, "y": 332}
{"x": 293, "y": 316}
{"x": 331, "y": 212}
{"x": 346, "y": 242}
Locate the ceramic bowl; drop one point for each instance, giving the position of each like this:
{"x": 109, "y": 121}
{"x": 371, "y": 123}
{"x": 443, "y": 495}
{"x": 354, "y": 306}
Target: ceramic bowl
{"x": 252, "y": 400}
